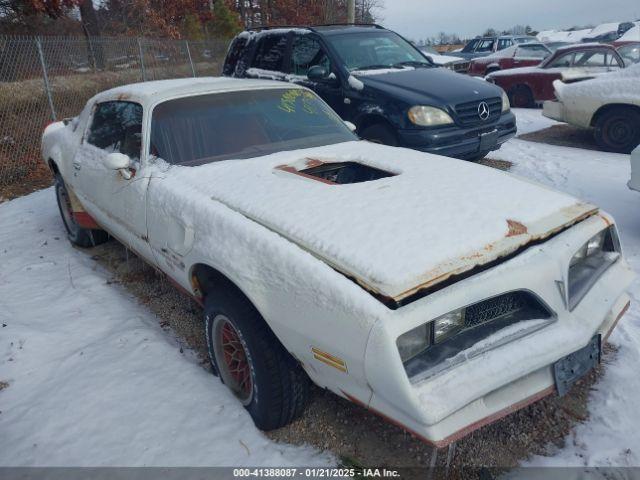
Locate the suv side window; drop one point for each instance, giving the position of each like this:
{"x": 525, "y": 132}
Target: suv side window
{"x": 117, "y": 127}
{"x": 307, "y": 52}
{"x": 270, "y": 52}
{"x": 235, "y": 52}
{"x": 471, "y": 46}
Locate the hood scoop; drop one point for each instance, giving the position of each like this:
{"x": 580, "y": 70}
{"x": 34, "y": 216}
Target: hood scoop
{"x": 336, "y": 173}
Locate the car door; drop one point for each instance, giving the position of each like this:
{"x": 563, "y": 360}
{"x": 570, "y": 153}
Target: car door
{"x": 116, "y": 202}
{"x": 307, "y": 51}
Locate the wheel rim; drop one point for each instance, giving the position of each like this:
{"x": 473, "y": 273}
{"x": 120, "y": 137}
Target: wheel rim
{"x": 619, "y": 132}
{"x": 233, "y": 359}
{"x": 66, "y": 211}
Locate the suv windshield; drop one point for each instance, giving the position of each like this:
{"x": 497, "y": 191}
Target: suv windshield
{"x": 209, "y": 128}
{"x": 364, "y": 51}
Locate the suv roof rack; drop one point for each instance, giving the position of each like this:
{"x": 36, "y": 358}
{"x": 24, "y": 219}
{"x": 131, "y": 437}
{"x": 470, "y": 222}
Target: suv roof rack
{"x": 313, "y": 27}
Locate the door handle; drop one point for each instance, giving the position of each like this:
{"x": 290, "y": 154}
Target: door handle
{"x": 77, "y": 165}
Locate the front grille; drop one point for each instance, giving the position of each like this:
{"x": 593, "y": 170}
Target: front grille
{"x": 467, "y": 113}
{"x": 501, "y": 306}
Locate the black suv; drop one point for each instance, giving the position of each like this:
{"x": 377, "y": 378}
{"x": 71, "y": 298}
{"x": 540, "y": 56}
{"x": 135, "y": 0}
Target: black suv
{"x": 377, "y": 80}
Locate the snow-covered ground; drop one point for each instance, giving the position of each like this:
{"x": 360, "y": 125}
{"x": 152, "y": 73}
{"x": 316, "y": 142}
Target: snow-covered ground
{"x": 93, "y": 380}
{"x": 611, "y": 436}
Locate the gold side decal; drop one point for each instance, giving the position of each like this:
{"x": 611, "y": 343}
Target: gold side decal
{"x": 329, "y": 359}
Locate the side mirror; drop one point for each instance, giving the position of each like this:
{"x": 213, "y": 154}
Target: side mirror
{"x": 317, "y": 72}
{"x": 119, "y": 161}
{"x": 350, "y": 126}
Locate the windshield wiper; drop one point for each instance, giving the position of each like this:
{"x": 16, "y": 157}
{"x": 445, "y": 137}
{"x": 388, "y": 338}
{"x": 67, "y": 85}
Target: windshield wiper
{"x": 375, "y": 67}
{"x": 411, "y": 63}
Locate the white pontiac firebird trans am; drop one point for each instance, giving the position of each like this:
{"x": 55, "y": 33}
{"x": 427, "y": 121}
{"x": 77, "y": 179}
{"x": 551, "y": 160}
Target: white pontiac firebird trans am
{"x": 438, "y": 293}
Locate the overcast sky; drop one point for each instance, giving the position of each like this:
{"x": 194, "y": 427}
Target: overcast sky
{"x": 418, "y": 19}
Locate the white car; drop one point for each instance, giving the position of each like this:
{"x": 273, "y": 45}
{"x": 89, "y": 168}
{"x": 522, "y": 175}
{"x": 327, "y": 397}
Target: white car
{"x": 610, "y": 104}
{"x": 438, "y": 293}
{"x": 634, "y": 182}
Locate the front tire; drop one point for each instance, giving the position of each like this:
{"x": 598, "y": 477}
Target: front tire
{"x": 252, "y": 362}
{"x": 618, "y": 130}
{"x": 82, "y": 237}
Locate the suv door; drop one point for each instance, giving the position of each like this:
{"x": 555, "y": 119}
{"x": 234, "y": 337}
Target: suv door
{"x": 116, "y": 202}
{"x": 307, "y": 51}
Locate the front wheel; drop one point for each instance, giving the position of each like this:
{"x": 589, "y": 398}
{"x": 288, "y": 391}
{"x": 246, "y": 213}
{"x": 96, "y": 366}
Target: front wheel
{"x": 252, "y": 362}
{"x": 618, "y": 130}
{"x": 521, "y": 96}
{"x": 82, "y": 237}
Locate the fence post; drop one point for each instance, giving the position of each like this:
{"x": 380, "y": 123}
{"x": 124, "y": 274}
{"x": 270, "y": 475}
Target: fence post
{"x": 46, "y": 79}
{"x": 92, "y": 53}
{"x": 193, "y": 70}
{"x": 144, "y": 74}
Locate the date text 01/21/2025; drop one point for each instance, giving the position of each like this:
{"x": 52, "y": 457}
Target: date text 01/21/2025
{"x": 315, "y": 472}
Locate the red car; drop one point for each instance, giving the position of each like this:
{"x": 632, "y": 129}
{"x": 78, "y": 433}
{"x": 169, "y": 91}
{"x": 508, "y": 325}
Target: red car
{"x": 515, "y": 56}
{"x": 528, "y": 86}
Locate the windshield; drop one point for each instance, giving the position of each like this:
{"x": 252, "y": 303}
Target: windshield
{"x": 219, "y": 126}
{"x": 364, "y": 51}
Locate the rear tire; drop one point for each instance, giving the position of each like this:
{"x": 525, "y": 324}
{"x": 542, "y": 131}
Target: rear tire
{"x": 82, "y": 237}
{"x": 521, "y": 96}
{"x": 252, "y": 362}
{"x": 618, "y": 130}
{"x": 380, "y": 133}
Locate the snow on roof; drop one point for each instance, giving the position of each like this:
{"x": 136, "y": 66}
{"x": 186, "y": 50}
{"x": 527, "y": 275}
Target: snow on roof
{"x": 146, "y": 92}
{"x": 604, "y": 28}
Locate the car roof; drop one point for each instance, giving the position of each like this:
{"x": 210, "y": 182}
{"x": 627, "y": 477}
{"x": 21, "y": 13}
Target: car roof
{"x": 327, "y": 29}
{"x": 159, "y": 90}
{"x": 584, "y": 46}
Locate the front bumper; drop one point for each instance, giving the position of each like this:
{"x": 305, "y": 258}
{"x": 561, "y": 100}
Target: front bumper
{"x": 554, "y": 110}
{"x": 448, "y": 406}
{"x": 461, "y": 142}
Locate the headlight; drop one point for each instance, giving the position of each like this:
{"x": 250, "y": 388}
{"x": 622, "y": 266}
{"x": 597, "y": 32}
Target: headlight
{"x": 506, "y": 106}
{"x": 590, "y": 261}
{"x": 448, "y": 325}
{"x": 414, "y": 341}
{"x": 429, "y": 116}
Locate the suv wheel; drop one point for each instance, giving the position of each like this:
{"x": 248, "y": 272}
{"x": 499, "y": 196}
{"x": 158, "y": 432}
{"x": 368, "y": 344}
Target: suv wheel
{"x": 618, "y": 130}
{"x": 380, "y": 133}
{"x": 82, "y": 237}
{"x": 252, "y": 362}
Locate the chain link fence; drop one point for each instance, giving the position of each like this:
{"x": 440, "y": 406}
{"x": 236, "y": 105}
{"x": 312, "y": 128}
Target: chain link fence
{"x": 44, "y": 79}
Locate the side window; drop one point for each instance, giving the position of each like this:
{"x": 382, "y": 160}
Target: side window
{"x": 270, "y": 53}
{"x": 471, "y": 46}
{"x": 235, "y": 51}
{"x": 485, "y": 46}
{"x": 531, "y": 51}
{"x": 117, "y": 127}
{"x": 504, "y": 43}
{"x": 592, "y": 59}
{"x": 563, "y": 61}
{"x": 307, "y": 52}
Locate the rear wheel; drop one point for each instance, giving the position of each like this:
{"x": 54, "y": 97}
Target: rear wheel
{"x": 521, "y": 96}
{"x": 618, "y": 130}
{"x": 82, "y": 237}
{"x": 380, "y": 133}
{"x": 251, "y": 361}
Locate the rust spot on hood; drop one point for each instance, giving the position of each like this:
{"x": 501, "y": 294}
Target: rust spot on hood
{"x": 516, "y": 228}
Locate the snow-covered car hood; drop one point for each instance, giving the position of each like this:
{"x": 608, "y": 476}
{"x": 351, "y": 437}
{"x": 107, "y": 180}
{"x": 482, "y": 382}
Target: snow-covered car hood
{"x": 442, "y": 59}
{"x": 621, "y": 86}
{"x": 436, "y": 217}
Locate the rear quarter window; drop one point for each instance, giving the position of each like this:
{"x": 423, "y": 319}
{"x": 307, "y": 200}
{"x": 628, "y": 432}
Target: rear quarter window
{"x": 270, "y": 52}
